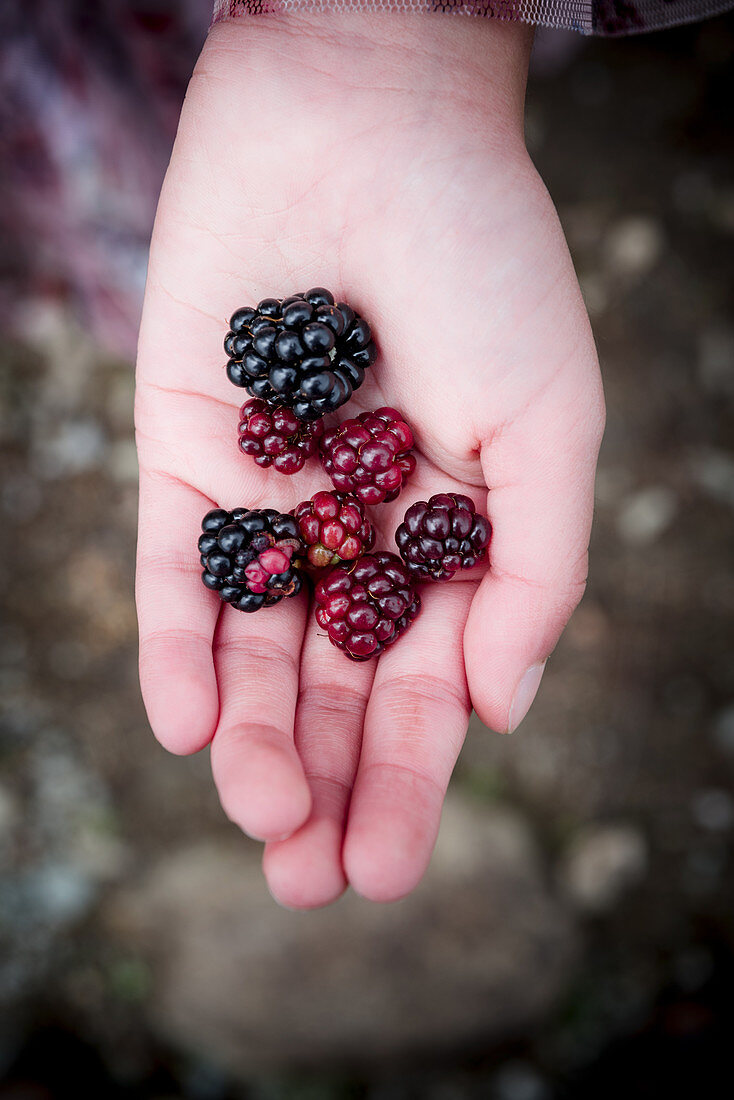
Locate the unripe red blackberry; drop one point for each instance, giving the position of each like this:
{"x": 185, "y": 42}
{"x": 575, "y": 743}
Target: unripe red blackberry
{"x": 440, "y": 536}
{"x": 369, "y": 456}
{"x": 307, "y": 352}
{"x": 334, "y": 528}
{"x": 251, "y": 557}
{"x": 274, "y": 436}
{"x": 366, "y": 607}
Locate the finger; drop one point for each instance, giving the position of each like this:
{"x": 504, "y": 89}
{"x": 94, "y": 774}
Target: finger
{"x": 176, "y": 616}
{"x": 541, "y": 479}
{"x": 415, "y": 726}
{"x": 255, "y": 765}
{"x": 306, "y": 870}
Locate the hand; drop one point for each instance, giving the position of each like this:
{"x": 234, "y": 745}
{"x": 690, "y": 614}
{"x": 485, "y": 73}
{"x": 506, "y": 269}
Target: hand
{"x": 382, "y": 157}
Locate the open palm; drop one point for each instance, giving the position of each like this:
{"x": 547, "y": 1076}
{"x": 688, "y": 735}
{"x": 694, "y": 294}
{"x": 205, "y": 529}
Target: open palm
{"x": 381, "y": 157}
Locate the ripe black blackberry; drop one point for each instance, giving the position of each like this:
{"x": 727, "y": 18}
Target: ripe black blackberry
{"x": 442, "y": 535}
{"x": 366, "y": 606}
{"x": 251, "y": 557}
{"x": 306, "y": 352}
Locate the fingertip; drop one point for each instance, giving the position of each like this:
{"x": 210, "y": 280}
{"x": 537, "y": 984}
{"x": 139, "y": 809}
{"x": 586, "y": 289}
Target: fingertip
{"x": 487, "y": 715}
{"x": 182, "y": 712}
{"x": 524, "y": 695}
{"x": 179, "y": 688}
{"x": 262, "y": 787}
{"x": 305, "y": 871}
{"x": 491, "y": 700}
{"x": 382, "y": 883}
{"x": 384, "y": 864}
{"x": 512, "y": 629}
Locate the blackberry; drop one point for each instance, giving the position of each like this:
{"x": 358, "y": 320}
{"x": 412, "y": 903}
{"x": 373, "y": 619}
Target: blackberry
{"x": 365, "y": 607}
{"x": 334, "y": 528}
{"x": 307, "y": 352}
{"x": 369, "y": 456}
{"x": 442, "y": 535}
{"x": 251, "y": 557}
{"x": 276, "y": 437}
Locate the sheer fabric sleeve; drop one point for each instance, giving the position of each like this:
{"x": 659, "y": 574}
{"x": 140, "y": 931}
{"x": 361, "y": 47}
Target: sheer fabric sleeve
{"x": 599, "y": 17}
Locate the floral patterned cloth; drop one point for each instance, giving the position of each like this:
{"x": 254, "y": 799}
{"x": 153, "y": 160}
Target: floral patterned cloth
{"x": 602, "y": 17}
{"x": 90, "y": 95}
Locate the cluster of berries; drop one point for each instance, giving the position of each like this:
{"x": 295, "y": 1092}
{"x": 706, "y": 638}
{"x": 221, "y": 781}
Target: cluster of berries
{"x": 299, "y": 359}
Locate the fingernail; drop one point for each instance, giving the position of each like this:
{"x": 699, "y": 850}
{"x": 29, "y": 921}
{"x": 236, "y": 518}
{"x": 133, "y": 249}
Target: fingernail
{"x": 527, "y": 689}
{"x": 269, "y": 839}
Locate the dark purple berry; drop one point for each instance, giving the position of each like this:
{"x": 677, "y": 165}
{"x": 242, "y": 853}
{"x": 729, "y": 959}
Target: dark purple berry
{"x": 274, "y": 436}
{"x": 365, "y": 607}
{"x": 369, "y": 456}
{"x": 440, "y": 536}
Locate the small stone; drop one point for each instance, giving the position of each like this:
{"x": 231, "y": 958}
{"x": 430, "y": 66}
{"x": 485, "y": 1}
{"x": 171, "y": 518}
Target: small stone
{"x": 58, "y": 893}
{"x": 633, "y": 246}
{"x": 645, "y": 515}
{"x": 76, "y": 446}
{"x": 603, "y": 862}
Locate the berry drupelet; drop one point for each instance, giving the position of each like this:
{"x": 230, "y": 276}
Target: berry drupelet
{"x": 334, "y": 528}
{"x": 369, "y": 456}
{"x": 251, "y": 557}
{"x": 367, "y": 606}
{"x": 307, "y": 352}
{"x": 276, "y": 437}
{"x": 440, "y": 536}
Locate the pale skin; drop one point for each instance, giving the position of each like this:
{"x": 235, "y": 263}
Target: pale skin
{"x": 381, "y": 156}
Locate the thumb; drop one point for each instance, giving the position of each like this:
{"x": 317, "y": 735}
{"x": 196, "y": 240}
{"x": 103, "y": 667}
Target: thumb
{"x": 541, "y": 478}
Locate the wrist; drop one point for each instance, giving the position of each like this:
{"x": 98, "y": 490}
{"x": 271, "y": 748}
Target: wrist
{"x": 420, "y": 61}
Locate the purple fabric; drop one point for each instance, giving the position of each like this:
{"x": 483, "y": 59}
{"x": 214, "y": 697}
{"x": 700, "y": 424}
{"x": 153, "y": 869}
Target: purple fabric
{"x": 602, "y": 17}
{"x": 89, "y": 101}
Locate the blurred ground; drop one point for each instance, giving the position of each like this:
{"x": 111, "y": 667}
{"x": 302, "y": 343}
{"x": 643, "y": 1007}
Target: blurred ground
{"x": 575, "y": 934}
